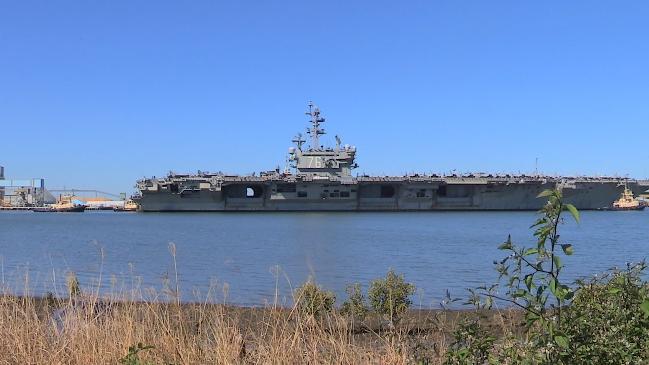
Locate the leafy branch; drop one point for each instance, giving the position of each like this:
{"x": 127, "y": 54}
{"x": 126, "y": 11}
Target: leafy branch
{"x": 531, "y": 277}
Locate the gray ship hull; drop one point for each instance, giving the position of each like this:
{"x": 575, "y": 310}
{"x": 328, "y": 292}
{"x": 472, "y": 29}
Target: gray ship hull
{"x": 383, "y": 196}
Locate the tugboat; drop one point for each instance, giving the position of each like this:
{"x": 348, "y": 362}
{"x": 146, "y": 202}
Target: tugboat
{"x": 129, "y": 206}
{"x": 628, "y": 202}
{"x": 64, "y": 205}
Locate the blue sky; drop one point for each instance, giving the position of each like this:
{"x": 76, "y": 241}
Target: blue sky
{"x": 98, "y": 94}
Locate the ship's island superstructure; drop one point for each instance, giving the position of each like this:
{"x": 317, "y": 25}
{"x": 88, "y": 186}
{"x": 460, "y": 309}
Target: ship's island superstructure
{"x": 321, "y": 180}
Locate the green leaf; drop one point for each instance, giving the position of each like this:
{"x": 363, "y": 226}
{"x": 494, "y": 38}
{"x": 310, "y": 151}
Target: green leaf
{"x": 531, "y": 251}
{"x": 569, "y": 294}
{"x": 463, "y": 353}
{"x": 545, "y": 193}
{"x": 507, "y": 245}
{"x": 645, "y": 307}
{"x": 528, "y": 281}
{"x": 567, "y": 249}
{"x": 553, "y": 287}
{"x": 557, "y": 261}
{"x": 575, "y": 213}
{"x": 562, "y": 341}
{"x": 564, "y": 292}
{"x": 520, "y": 293}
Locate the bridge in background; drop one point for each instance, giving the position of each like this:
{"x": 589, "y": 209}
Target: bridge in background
{"x": 85, "y": 192}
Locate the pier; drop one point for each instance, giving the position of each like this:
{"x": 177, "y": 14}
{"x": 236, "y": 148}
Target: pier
{"x": 20, "y": 208}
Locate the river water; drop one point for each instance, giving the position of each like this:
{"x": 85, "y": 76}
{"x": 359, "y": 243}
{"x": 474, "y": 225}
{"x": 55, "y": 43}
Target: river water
{"x": 256, "y": 258}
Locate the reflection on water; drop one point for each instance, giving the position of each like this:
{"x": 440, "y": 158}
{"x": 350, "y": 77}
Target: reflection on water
{"x": 256, "y": 252}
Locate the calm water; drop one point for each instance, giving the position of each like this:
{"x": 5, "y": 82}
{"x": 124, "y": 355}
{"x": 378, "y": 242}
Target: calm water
{"x": 435, "y": 251}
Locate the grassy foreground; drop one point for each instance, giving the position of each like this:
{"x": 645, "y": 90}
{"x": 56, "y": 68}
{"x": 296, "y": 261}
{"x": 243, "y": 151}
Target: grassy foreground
{"x": 86, "y": 329}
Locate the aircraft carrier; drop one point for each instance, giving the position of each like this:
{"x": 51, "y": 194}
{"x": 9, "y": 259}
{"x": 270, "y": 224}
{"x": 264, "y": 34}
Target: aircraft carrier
{"x": 317, "y": 178}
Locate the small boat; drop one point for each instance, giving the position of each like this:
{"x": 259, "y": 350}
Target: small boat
{"x": 64, "y": 205}
{"x": 129, "y": 206}
{"x": 628, "y": 202}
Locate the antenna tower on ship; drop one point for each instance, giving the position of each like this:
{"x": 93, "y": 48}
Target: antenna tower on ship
{"x": 315, "y": 131}
{"x": 299, "y": 141}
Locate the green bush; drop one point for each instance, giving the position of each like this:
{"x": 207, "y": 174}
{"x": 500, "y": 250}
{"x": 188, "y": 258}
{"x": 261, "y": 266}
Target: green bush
{"x": 472, "y": 344}
{"x": 602, "y": 321}
{"x": 355, "y": 305}
{"x": 312, "y": 300}
{"x": 390, "y": 297}
{"x": 608, "y": 320}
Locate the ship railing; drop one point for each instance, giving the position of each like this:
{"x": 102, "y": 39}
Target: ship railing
{"x": 566, "y": 185}
{"x": 189, "y": 189}
{"x": 461, "y": 180}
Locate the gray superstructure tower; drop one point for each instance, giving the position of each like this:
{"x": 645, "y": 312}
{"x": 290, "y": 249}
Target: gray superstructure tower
{"x": 318, "y": 161}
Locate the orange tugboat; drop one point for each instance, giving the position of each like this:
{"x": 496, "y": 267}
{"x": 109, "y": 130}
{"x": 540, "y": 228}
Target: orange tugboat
{"x": 628, "y": 202}
{"x": 65, "y": 204}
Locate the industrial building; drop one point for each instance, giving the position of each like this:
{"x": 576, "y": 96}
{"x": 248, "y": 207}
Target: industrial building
{"x": 23, "y": 193}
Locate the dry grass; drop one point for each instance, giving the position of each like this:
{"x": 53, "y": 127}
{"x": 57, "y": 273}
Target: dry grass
{"x": 88, "y": 329}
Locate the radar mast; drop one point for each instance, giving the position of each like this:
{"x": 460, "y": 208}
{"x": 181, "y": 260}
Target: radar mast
{"x": 299, "y": 141}
{"x": 315, "y": 131}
